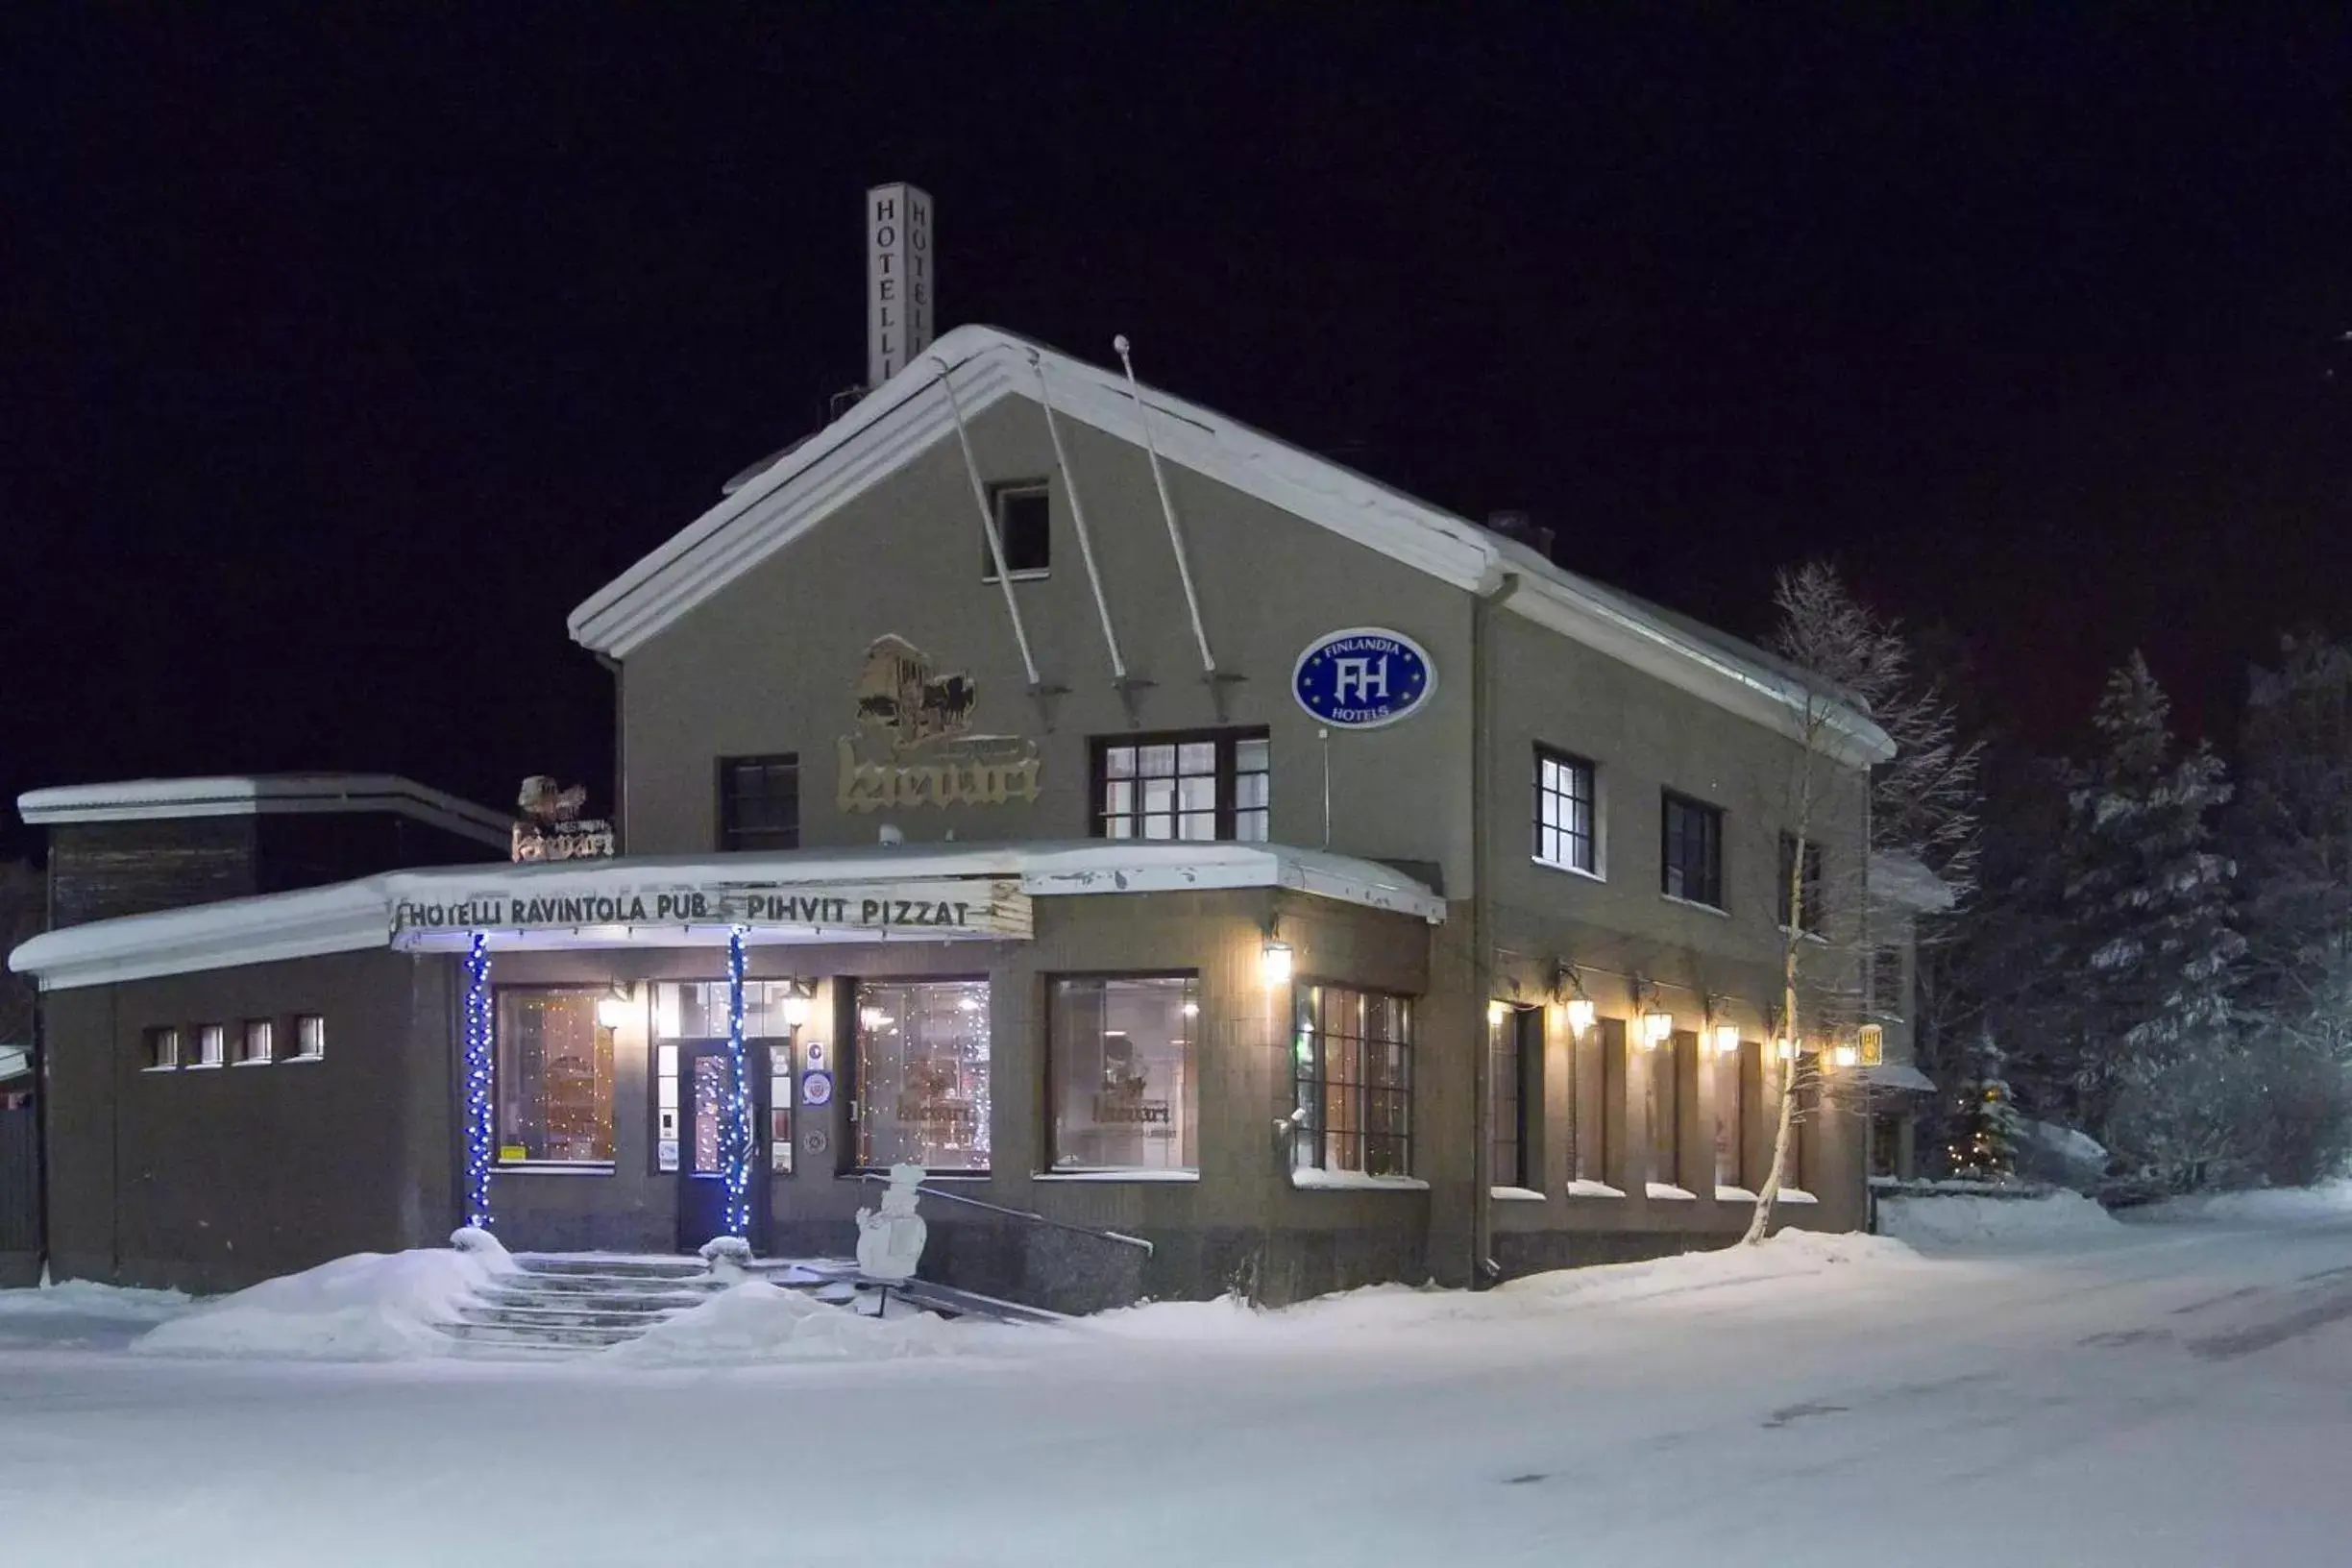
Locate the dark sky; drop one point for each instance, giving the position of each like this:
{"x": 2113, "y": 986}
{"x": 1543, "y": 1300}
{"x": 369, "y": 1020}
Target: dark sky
{"x": 342, "y": 354}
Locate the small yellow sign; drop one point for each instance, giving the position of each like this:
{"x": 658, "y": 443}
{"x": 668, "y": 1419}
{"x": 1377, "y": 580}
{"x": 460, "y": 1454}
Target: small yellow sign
{"x": 1873, "y": 1046}
{"x": 512, "y": 1154}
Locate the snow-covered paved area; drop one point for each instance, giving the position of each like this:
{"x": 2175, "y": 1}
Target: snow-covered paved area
{"x": 2168, "y": 1391}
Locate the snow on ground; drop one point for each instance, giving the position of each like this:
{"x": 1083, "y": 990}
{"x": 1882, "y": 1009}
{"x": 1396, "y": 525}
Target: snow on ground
{"x": 79, "y": 1312}
{"x": 1948, "y": 1220}
{"x": 370, "y": 1307}
{"x": 2167, "y": 1394}
{"x": 756, "y": 1323}
{"x": 2331, "y": 1200}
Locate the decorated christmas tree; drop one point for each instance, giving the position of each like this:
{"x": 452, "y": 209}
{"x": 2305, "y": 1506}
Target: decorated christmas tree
{"x": 1987, "y": 1129}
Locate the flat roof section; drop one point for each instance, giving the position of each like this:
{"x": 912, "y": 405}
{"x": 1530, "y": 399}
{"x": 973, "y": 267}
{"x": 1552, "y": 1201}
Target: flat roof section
{"x": 161, "y": 799}
{"x": 974, "y": 891}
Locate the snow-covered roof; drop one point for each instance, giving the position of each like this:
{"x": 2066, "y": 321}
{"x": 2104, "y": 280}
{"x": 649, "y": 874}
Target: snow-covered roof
{"x": 800, "y": 487}
{"x": 350, "y": 916}
{"x": 1898, "y": 1076}
{"x": 1904, "y": 880}
{"x": 147, "y": 799}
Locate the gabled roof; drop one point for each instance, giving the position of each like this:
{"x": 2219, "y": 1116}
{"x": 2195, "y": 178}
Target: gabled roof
{"x": 150, "y": 799}
{"x": 804, "y": 485}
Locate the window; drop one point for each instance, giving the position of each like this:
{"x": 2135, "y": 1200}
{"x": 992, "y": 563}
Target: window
{"x": 923, "y": 1075}
{"x": 309, "y": 1037}
{"x": 1125, "y": 1090}
{"x": 698, "y": 1010}
{"x": 1809, "y": 892}
{"x": 162, "y": 1049}
{"x": 1731, "y": 1119}
{"x": 759, "y": 803}
{"x": 1209, "y": 784}
{"x": 1353, "y": 1058}
{"x": 555, "y": 1077}
{"x": 1024, "y": 528}
{"x": 1691, "y": 851}
{"x": 1514, "y": 1039}
{"x": 1887, "y": 999}
{"x": 253, "y": 1048}
{"x": 1565, "y": 833}
{"x": 1665, "y": 1109}
{"x": 211, "y": 1045}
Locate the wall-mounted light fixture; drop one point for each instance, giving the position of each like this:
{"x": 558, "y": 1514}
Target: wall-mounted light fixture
{"x": 796, "y": 1010}
{"x": 614, "y": 1007}
{"x": 1785, "y": 1049}
{"x": 1496, "y": 1013}
{"x": 1846, "y": 1055}
{"x": 1726, "y": 1039}
{"x": 1656, "y": 1028}
{"x": 1581, "y": 1015}
{"x": 1274, "y": 963}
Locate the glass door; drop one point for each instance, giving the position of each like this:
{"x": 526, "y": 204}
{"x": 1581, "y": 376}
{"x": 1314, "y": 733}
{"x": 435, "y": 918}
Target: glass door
{"x": 705, "y": 1077}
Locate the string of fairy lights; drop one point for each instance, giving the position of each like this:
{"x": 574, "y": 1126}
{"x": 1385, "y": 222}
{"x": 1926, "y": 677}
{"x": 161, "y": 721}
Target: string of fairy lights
{"x": 737, "y": 1139}
{"x": 481, "y": 1121}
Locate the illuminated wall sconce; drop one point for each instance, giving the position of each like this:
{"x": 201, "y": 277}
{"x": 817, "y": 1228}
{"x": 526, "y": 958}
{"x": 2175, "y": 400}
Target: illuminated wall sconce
{"x": 1846, "y": 1055}
{"x": 1726, "y": 1040}
{"x": 1656, "y": 1028}
{"x": 1496, "y": 1013}
{"x": 1785, "y": 1049}
{"x": 1274, "y": 963}
{"x": 614, "y": 1007}
{"x": 797, "y": 1011}
{"x": 1580, "y": 1015}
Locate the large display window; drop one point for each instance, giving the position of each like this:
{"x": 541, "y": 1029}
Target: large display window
{"x": 922, "y": 1074}
{"x": 1124, "y": 1086}
{"x": 555, "y": 1077}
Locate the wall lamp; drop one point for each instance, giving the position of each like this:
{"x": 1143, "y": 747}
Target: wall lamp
{"x": 614, "y": 1007}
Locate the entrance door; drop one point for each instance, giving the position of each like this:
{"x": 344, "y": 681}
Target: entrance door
{"x": 704, "y": 1075}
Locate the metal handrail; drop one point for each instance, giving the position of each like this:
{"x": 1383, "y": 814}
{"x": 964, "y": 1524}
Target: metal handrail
{"x": 1120, "y": 1237}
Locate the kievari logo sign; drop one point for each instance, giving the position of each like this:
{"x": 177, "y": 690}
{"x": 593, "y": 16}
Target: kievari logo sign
{"x": 1364, "y": 678}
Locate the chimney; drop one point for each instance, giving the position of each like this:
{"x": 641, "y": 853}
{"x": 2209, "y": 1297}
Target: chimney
{"x": 1521, "y": 528}
{"x": 900, "y": 287}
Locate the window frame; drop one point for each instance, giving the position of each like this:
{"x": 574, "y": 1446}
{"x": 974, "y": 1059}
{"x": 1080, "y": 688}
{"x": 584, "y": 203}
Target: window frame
{"x": 1227, "y": 810}
{"x": 1527, "y": 1094}
{"x": 304, "y": 1051}
{"x": 998, "y": 493}
{"x": 726, "y": 832}
{"x": 852, "y": 989}
{"x": 1054, "y": 1079}
{"x": 265, "y": 1030}
{"x": 161, "y": 1044}
{"x": 1816, "y": 900}
{"x": 592, "y": 1166}
{"x": 1670, "y": 801}
{"x": 211, "y": 1045}
{"x": 1590, "y": 771}
{"x": 1309, "y": 1129}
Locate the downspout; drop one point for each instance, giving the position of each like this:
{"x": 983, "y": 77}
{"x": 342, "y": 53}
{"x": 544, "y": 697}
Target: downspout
{"x": 620, "y": 810}
{"x": 1482, "y": 1268}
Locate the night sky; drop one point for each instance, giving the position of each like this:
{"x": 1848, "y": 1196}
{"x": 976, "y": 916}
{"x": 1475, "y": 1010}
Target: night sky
{"x": 342, "y": 355}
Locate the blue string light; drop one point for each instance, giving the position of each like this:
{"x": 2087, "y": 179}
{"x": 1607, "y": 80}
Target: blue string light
{"x": 480, "y": 1127}
{"x": 738, "y": 1130}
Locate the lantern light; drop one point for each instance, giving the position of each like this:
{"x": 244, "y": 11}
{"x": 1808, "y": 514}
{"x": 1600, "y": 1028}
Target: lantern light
{"x": 1656, "y": 1028}
{"x": 1580, "y": 1013}
{"x": 1846, "y": 1055}
{"x": 1496, "y": 1013}
{"x": 1726, "y": 1040}
{"x": 1274, "y": 963}
{"x": 797, "y": 1011}
{"x": 1785, "y": 1049}
{"x": 613, "y": 1009}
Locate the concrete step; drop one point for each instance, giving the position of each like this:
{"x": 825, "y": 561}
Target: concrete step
{"x": 553, "y": 1287}
{"x": 542, "y": 1335}
{"x": 604, "y": 1266}
{"x": 592, "y": 1301}
{"x": 559, "y": 1317}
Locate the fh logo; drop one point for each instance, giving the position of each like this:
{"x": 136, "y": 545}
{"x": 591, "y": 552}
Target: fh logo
{"x": 1362, "y": 679}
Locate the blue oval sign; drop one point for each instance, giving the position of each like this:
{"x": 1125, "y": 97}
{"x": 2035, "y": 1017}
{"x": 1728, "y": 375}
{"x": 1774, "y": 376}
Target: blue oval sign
{"x": 1364, "y": 678}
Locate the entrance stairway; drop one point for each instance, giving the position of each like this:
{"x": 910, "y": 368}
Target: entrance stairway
{"x": 574, "y": 1304}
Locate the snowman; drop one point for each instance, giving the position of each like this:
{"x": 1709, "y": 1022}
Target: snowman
{"x": 890, "y": 1238}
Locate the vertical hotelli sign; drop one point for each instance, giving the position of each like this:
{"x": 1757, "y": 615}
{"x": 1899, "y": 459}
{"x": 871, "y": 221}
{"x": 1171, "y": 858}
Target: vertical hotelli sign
{"x": 898, "y": 279}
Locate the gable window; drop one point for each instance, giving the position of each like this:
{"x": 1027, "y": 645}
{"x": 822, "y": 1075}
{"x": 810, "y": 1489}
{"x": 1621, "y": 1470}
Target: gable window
{"x": 552, "y": 1076}
{"x": 1352, "y": 1069}
{"x": 211, "y": 1045}
{"x": 1566, "y": 832}
{"x": 1024, "y": 527}
{"x": 1691, "y": 851}
{"x": 1202, "y": 785}
{"x": 255, "y": 1047}
{"x": 759, "y": 803}
{"x": 1124, "y": 1063}
{"x": 1808, "y": 890}
{"x": 162, "y": 1049}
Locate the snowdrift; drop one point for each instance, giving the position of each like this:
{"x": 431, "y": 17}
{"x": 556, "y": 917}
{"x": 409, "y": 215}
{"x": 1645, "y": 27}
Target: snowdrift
{"x": 370, "y": 1307}
{"x": 755, "y": 1323}
{"x": 2329, "y": 1200}
{"x": 1957, "y": 1219}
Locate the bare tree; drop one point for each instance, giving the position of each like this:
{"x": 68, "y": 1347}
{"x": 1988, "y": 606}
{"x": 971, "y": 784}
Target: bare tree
{"x": 1922, "y": 802}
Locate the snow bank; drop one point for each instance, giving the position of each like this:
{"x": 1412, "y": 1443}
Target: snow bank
{"x": 2330, "y": 1200}
{"x": 757, "y": 1322}
{"x": 1959, "y": 1219}
{"x": 88, "y": 1299}
{"x": 370, "y": 1307}
{"x": 1790, "y": 1255}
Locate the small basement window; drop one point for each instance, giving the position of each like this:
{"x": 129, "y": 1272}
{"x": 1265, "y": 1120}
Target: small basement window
{"x": 1024, "y": 527}
{"x": 256, "y": 1047}
{"x": 309, "y": 1037}
{"x": 162, "y": 1049}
